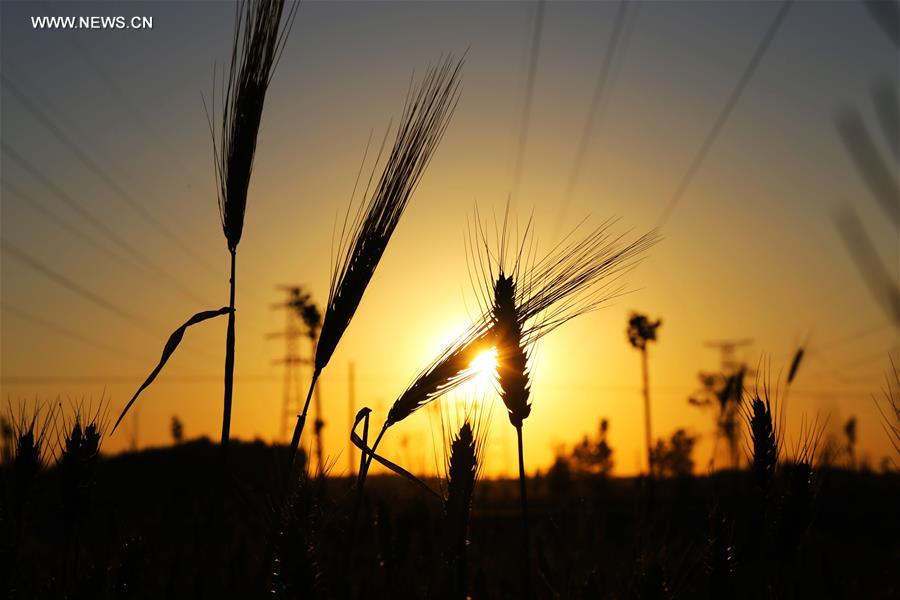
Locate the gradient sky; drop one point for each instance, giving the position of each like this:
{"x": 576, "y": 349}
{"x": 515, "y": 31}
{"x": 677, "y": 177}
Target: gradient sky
{"x": 750, "y": 251}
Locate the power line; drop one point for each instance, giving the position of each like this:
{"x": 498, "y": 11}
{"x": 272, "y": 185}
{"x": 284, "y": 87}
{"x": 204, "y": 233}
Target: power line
{"x": 725, "y": 113}
{"x": 125, "y": 101}
{"x": 104, "y": 176}
{"x": 71, "y": 334}
{"x": 101, "y": 227}
{"x": 593, "y": 108}
{"x": 243, "y": 288}
{"x": 203, "y": 378}
{"x": 852, "y": 337}
{"x": 866, "y": 360}
{"x": 23, "y": 257}
{"x": 529, "y": 94}
{"x": 63, "y": 224}
{"x": 39, "y": 379}
{"x": 141, "y": 323}
{"x": 85, "y": 238}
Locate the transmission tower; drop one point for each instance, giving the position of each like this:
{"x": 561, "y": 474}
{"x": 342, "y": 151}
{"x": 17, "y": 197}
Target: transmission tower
{"x": 292, "y": 386}
{"x": 728, "y": 352}
{"x": 729, "y": 392}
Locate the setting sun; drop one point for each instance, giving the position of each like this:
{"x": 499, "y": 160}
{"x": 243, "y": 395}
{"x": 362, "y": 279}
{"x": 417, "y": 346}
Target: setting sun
{"x": 449, "y": 299}
{"x": 485, "y": 368}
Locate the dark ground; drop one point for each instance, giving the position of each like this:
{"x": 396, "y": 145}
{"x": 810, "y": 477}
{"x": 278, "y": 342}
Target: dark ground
{"x": 166, "y": 524}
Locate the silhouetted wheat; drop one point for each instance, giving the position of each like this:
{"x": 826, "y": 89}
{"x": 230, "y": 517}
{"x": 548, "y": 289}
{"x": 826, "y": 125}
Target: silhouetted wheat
{"x": 528, "y": 298}
{"x": 450, "y": 369}
{"x": 809, "y": 439}
{"x": 890, "y": 414}
{"x": 171, "y": 345}
{"x": 27, "y": 455}
{"x": 260, "y": 32}
{"x": 575, "y": 278}
{"x": 764, "y": 439}
{"x": 512, "y": 356}
{"x": 365, "y": 237}
{"x": 295, "y": 571}
{"x": 795, "y": 364}
{"x": 798, "y": 499}
{"x": 79, "y": 454}
{"x": 312, "y": 320}
{"x": 764, "y": 431}
{"x": 259, "y": 36}
{"x": 514, "y": 386}
{"x": 463, "y": 465}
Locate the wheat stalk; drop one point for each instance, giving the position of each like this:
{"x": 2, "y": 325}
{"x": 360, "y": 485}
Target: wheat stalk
{"x": 795, "y": 364}
{"x": 79, "y": 446}
{"x": 890, "y": 415}
{"x": 26, "y": 454}
{"x": 448, "y": 370}
{"x": 463, "y": 464}
{"x": 259, "y": 36}
{"x": 365, "y": 236}
{"x": 514, "y": 386}
{"x": 594, "y": 264}
{"x": 577, "y": 276}
{"x": 529, "y": 297}
{"x": 764, "y": 439}
{"x": 520, "y": 303}
{"x": 761, "y": 415}
{"x": 574, "y": 278}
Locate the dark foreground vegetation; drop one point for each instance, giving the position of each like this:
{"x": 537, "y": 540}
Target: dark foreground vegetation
{"x": 166, "y": 523}
{"x": 247, "y": 520}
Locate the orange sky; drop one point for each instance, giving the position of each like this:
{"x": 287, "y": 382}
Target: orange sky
{"x": 751, "y": 250}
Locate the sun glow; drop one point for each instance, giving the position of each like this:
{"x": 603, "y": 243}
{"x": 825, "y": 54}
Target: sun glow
{"x": 485, "y": 368}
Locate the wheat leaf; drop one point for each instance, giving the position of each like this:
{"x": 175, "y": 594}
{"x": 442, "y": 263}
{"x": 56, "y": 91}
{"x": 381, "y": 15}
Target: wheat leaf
{"x": 168, "y": 350}
{"x": 363, "y": 415}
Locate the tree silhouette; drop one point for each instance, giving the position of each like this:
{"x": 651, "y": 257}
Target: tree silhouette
{"x": 594, "y": 457}
{"x": 674, "y": 459}
{"x": 177, "y": 430}
{"x": 724, "y": 392}
{"x": 641, "y": 331}
{"x": 850, "y": 435}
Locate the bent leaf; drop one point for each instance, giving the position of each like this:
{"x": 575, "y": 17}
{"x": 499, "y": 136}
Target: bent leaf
{"x": 168, "y": 350}
{"x": 363, "y": 415}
